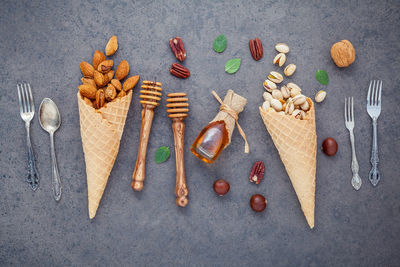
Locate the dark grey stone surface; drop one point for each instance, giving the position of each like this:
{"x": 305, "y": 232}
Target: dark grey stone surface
{"x": 43, "y": 42}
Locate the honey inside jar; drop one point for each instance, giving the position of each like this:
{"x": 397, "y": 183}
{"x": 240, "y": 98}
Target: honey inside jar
{"x": 210, "y": 142}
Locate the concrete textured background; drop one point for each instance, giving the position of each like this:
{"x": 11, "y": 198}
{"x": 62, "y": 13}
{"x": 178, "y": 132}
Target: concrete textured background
{"x": 43, "y": 42}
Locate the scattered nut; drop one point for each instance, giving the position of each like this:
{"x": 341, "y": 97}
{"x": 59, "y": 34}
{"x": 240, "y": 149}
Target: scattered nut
{"x": 100, "y": 79}
{"x": 122, "y": 70}
{"x": 130, "y": 83}
{"x": 178, "y": 48}
{"x": 87, "y": 90}
{"x": 320, "y": 96}
{"x": 100, "y": 99}
{"x": 289, "y": 70}
{"x": 117, "y": 84}
{"x": 267, "y": 96}
{"x": 258, "y": 203}
{"x": 112, "y": 46}
{"x": 87, "y": 69}
{"x": 98, "y": 57}
{"x": 343, "y": 53}
{"x": 277, "y": 94}
{"x": 269, "y": 86}
{"x": 285, "y": 91}
{"x": 257, "y": 172}
{"x": 110, "y": 93}
{"x": 221, "y": 187}
{"x": 88, "y": 81}
{"x": 329, "y": 146}
{"x": 282, "y": 48}
{"x": 266, "y": 105}
{"x": 256, "y": 49}
{"x": 279, "y": 59}
{"x": 276, "y": 104}
{"x": 105, "y": 66}
{"x": 275, "y": 77}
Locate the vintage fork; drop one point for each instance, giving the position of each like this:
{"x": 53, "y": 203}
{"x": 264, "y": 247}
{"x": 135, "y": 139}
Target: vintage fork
{"x": 349, "y": 121}
{"x": 374, "y": 110}
{"x": 27, "y": 111}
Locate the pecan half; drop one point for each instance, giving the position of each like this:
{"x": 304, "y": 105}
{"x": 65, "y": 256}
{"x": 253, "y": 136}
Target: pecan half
{"x": 179, "y": 71}
{"x": 177, "y": 48}
{"x": 257, "y": 172}
{"x": 256, "y": 49}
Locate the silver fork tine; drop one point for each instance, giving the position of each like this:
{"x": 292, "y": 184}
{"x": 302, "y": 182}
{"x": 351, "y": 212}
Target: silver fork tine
{"x": 373, "y": 93}
{"x": 30, "y": 97}
{"x": 376, "y": 93}
{"x": 380, "y": 93}
{"x": 352, "y": 109}
{"x": 345, "y": 109}
{"x": 21, "y": 110}
{"x": 369, "y": 94}
{"x": 24, "y": 99}
{"x": 28, "y": 104}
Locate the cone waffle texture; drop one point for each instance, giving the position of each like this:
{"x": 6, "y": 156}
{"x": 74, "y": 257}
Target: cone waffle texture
{"x": 296, "y": 141}
{"x": 101, "y": 132}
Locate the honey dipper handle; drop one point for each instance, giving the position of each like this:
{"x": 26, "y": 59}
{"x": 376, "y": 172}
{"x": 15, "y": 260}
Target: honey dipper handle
{"x": 138, "y": 175}
{"x": 181, "y": 191}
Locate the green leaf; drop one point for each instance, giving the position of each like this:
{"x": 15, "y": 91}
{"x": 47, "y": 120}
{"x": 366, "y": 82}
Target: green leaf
{"x": 232, "y": 65}
{"x": 162, "y": 154}
{"x": 220, "y": 43}
{"x": 322, "y": 77}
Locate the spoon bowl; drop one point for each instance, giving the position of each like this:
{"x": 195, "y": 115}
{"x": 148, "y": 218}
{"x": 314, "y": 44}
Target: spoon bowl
{"x": 50, "y": 120}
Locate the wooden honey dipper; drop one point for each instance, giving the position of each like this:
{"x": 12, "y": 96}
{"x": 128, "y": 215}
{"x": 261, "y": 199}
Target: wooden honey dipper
{"x": 150, "y": 95}
{"x": 177, "y": 108}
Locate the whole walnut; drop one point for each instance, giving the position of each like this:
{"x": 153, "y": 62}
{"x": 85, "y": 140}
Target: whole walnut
{"x": 343, "y": 53}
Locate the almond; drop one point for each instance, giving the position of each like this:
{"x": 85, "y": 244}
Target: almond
{"x": 110, "y": 92}
{"x": 130, "y": 83}
{"x": 110, "y": 75}
{"x": 117, "y": 84}
{"x": 100, "y": 99}
{"x": 87, "y": 90}
{"x": 105, "y": 66}
{"x": 122, "y": 70}
{"x": 98, "y": 57}
{"x": 112, "y": 46}
{"x": 100, "y": 79}
{"x": 89, "y": 81}
{"x": 121, "y": 94}
{"x": 86, "y": 69}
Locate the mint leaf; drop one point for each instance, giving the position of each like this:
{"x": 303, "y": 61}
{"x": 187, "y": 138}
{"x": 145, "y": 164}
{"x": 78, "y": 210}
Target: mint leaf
{"x": 232, "y": 65}
{"x": 322, "y": 77}
{"x": 220, "y": 43}
{"x": 162, "y": 154}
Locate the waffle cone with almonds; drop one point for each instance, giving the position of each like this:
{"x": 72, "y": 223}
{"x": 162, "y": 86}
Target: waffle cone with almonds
{"x": 296, "y": 141}
{"x": 101, "y": 132}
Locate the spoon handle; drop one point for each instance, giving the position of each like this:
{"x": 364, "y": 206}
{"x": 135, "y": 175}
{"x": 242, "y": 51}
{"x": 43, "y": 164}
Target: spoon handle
{"x": 54, "y": 169}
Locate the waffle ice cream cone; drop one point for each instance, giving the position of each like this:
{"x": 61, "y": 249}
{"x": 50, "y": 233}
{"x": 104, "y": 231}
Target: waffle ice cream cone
{"x": 101, "y": 132}
{"x": 296, "y": 141}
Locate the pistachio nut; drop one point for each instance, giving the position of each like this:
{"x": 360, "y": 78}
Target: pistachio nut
{"x": 275, "y": 77}
{"x": 294, "y": 89}
{"x": 279, "y": 59}
{"x": 276, "y": 104}
{"x": 320, "y": 96}
{"x": 277, "y": 94}
{"x": 285, "y": 91}
{"x": 297, "y": 114}
{"x": 289, "y": 70}
{"x": 282, "y": 48}
{"x": 269, "y": 86}
{"x": 299, "y": 99}
{"x": 266, "y": 105}
{"x": 267, "y": 96}
{"x": 289, "y": 107}
{"x": 281, "y": 113}
{"x": 305, "y": 106}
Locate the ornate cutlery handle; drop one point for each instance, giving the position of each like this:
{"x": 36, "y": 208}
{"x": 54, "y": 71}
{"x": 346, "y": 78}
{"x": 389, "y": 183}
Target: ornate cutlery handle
{"x": 57, "y": 187}
{"x": 33, "y": 176}
{"x": 374, "y": 174}
{"x": 356, "y": 180}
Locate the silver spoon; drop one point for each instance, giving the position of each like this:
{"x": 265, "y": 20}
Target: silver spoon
{"x": 50, "y": 120}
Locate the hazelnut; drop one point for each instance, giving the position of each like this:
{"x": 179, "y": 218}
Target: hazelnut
{"x": 343, "y": 53}
{"x": 329, "y": 146}
{"x": 221, "y": 187}
{"x": 258, "y": 203}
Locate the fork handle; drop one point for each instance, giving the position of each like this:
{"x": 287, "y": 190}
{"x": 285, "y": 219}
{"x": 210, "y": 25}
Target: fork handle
{"x": 374, "y": 175}
{"x": 33, "y": 177}
{"x": 356, "y": 180}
